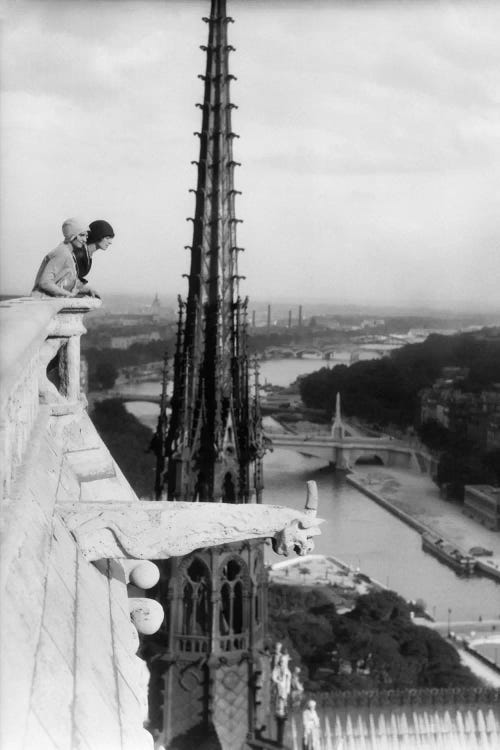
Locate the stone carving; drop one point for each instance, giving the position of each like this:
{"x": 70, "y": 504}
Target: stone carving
{"x": 48, "y": 391}
{"x": 282, "y": 680}
{"x": 262, "y": 687}
{"x": 141, "y": 573}
{"x": 297, "y": 688}
{"x": 311, "y": 727}
{"x": 146, "y": 614}
{"x": 158, "y": 530}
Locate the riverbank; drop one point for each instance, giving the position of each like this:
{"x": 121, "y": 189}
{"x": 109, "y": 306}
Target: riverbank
{"x": 415, "y": 500}
{"x": 343, "y": 583}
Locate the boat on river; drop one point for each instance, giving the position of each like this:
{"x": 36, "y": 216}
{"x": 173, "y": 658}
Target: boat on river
{"x": 449, "y": 554}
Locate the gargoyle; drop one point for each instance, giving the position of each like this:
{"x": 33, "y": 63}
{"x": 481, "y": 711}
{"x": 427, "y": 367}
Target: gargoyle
{"x": 159, "y": 530}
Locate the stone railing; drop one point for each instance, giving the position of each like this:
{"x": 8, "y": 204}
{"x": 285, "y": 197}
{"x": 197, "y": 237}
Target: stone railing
{"x": 37, "y": 335}
{"x": 408, "y": 697}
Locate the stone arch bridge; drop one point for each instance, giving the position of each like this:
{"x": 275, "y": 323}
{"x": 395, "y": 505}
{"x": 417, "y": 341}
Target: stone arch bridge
{"x": 344, "y": 452}
{"x": 343, "y": 448}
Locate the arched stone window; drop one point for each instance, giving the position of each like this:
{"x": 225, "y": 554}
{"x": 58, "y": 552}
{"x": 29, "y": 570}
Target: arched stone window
{"x": 196, "y": 600}
{"x": 233, "y": 580}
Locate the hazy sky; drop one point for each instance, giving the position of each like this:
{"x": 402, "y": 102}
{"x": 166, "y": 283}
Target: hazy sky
{"x": 370, "y": 143}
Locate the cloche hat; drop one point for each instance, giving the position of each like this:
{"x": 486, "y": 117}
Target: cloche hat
{"x": 72, "y": 227}
{"x": 98, "y": 231}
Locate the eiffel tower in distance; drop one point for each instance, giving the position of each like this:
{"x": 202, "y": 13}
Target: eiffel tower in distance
{"x": 210, "y": 653}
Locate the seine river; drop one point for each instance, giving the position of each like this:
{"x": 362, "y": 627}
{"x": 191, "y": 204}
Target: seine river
{"x": 356, "y": 529}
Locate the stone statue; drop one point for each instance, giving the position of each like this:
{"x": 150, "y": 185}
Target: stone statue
{"x": 158, "y": 530}
{"x": 311, "y": 727}
{"x": 276, "y": 655}
{"x": 262, "y": 690}
{"x": 282, "y": 679}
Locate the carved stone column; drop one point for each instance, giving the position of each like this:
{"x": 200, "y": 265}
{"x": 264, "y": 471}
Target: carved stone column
{"x": 67, "y": 326}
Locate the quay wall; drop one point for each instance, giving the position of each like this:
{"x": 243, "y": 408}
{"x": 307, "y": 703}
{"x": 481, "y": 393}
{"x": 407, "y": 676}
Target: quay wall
{"x": 405, "y": 517}
{"x": 409, "y": 520}
{"x": 478, "y": 655}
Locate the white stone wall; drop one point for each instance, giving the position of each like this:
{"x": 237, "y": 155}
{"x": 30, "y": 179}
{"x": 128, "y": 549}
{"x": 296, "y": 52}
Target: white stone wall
{"x": 69, "y": 677}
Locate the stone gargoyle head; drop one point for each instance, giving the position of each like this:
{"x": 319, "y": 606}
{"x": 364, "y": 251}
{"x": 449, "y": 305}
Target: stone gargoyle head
{"x": 296, "y": 537}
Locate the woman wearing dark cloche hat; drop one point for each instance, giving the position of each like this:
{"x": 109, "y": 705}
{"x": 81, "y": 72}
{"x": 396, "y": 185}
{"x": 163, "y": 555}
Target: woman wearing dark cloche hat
{"x": 100, "y": 236}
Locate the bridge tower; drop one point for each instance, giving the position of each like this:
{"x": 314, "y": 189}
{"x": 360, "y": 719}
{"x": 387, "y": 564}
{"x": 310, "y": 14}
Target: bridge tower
{"x": 205, "y": 662}
{"x": 338, "y": 431}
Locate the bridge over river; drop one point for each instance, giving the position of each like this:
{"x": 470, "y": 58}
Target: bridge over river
{"x": 346, "y": 445}
{"x": 340, "y": 353}
{"x": 343, "y": 447}
{"x": 345, "y": 451}
{"x": 126, "y": 397}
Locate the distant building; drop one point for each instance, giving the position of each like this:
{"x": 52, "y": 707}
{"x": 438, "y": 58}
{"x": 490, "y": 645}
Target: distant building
{"x": 327, "y": 322}
{"x": 456, "y": 374}
{"x": 373, "y": 323}
{"x": 482, "y": 502}
{"x": 123, "y": 342}
{"x": 493, "y": 433}
{"x": 156, "y": 309}
{"x": 474, "y": 415}
{"x": 419, "y": 335}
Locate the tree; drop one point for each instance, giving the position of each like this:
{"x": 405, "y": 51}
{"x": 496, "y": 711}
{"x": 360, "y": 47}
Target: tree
{"x": 491, "y": 461}
{"x": 127, "y": 440}
{"x": 104, "y": 376}
{"x": 434, "y": 435}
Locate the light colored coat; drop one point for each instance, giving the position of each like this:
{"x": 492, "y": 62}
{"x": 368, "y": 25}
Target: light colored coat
{"x": 57, "y": 275}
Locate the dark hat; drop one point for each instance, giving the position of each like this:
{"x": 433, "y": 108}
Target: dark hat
{"x": 98, "y": 230}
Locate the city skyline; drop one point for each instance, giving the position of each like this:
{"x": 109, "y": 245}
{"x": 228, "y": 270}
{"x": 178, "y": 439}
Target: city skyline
{"x": 369, "y": 145}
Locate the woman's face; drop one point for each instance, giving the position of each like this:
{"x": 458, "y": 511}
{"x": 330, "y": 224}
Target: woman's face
{"x": 79, "y": 240}
{"x": 104, "y": 243}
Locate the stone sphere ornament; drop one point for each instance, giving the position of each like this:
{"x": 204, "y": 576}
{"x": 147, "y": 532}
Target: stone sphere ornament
{"x": 145, "y": 575}
{"x": 146, "y": 614}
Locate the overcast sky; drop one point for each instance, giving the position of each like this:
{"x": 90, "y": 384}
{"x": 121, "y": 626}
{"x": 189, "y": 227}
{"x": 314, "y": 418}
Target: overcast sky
{"x": 369, "y": 137}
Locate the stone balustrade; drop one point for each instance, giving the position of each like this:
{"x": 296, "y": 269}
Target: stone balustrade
{"x": 35, "y": 334}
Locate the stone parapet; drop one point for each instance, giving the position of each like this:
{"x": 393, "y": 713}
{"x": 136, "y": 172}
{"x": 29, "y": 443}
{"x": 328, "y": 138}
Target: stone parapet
{"x": 36, "y": 334}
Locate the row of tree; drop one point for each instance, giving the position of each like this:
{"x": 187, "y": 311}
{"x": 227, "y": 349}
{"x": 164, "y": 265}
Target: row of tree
{"x": 104, "y": 364}
{"x": 128, "y": 442}
{"x": 374, "y": 646}
{"x": 386, "y": 391}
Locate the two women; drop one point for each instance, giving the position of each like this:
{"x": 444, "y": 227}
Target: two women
{"x": 63, "y": 270}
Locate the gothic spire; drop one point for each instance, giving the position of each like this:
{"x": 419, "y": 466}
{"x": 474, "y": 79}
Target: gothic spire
{"x": 210, "y": 441}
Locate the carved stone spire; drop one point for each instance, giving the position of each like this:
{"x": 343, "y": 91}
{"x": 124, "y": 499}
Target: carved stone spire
{"x": 210, "y": 445}
{"x": 215, "y": 598}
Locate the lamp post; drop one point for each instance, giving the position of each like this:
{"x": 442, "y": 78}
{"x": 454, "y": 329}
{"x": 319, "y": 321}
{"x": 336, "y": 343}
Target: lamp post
{"x": 449, "y": 622}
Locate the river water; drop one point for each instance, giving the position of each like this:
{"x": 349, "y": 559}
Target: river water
{"x": 356, "y": 529}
